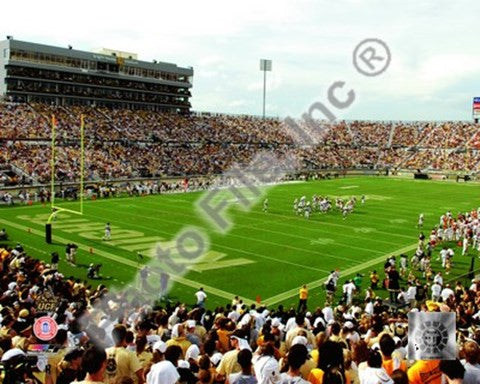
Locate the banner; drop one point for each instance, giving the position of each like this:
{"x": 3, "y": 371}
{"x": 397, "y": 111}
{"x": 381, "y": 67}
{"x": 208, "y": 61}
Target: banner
{"x": 476, "y": 108}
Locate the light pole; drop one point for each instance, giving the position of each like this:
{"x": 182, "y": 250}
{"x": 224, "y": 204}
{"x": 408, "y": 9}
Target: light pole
{"x": 265, "y": 65}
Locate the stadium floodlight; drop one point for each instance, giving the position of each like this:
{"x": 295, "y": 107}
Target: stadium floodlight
{"x": 265, "y": 65}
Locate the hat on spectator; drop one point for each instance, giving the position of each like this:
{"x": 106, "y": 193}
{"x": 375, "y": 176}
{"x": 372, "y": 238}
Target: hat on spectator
{"x": 152, "y": 339}
{"x": 14, "y": 352}
{"x": 349, "y": 325}
{"x": 242, "y": 343}
{"x": 159, "y": 346}
{"x": 276, "y": 323}
{"x": 300, "y": 340}
{"x": 319, "y": 320}
{"x": 216, "y": 358}
{"x": 183, "y": 364}
{"x": 192, "y": 352}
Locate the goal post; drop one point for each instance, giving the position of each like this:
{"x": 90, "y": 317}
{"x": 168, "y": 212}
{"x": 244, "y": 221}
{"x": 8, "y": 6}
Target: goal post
{"x": 56, "y": 209}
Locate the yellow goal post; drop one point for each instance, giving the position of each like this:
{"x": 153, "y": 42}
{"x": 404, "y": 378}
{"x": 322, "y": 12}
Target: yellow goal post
{"x": 56, "y": 209}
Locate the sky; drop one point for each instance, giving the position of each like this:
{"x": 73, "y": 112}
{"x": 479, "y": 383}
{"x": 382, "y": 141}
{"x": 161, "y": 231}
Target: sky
{"x": 435, "y": 54}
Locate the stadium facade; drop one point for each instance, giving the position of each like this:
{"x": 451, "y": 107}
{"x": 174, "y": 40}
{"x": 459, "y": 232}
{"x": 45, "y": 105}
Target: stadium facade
{"x": 31, "y": 72}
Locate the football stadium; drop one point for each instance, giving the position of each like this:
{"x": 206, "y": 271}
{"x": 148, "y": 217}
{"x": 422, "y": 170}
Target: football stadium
{"x": 143, "y": 240}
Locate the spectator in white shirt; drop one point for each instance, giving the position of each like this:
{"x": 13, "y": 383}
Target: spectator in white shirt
{"x": 438, "y": 278}
{"x": 436, "y": 290}
{"x": 369, "y": 307}
{"x": 411, "y": 293}
{"x": 374, "y": 373}
{"x": 471, "y": 363}
{"x": 327, "y": 313}
{"x": 348, "y": 290}
{"x": 201, "y": 297}
{"x": 447, "y": 293}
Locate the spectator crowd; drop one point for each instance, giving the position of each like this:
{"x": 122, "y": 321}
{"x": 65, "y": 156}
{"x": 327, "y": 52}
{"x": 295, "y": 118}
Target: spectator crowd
{"x": 123, "y": 144}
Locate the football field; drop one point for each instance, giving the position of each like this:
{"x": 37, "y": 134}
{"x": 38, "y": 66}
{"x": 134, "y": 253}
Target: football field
{"x": 265, "y": 256}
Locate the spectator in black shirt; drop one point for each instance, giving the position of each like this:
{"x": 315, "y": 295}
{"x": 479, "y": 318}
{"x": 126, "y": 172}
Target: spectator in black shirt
{"x": 393, "y": 283}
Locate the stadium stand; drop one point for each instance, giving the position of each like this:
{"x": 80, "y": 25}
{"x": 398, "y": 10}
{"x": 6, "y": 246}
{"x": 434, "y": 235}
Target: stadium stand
{"x": 125, "y": 144}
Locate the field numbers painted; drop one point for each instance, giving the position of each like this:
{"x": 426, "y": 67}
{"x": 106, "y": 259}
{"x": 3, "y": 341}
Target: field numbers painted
{"x": 364, "y": 230}
{"x": 321, "y": 241}
{"x": 378, "y": 197}
{"x": 135, "y": 241}
{"x": 397, "y": 221}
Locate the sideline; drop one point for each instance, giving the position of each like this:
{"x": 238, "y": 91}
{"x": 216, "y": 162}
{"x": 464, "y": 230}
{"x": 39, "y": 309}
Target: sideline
{"x": 347, "y": 272}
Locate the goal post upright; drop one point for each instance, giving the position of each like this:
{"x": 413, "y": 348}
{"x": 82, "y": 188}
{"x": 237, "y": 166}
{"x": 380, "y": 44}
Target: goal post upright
{"x": 56, "y": 210}
{"x": 82, "y": 159}
{"x": 52, "y": 164}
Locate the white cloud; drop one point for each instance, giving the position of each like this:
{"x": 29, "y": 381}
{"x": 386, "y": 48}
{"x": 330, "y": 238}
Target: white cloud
{"x": 434, "y": 48}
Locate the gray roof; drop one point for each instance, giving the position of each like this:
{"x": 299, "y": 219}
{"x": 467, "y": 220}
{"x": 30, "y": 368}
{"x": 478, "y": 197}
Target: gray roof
{"x": 84, "y": 55}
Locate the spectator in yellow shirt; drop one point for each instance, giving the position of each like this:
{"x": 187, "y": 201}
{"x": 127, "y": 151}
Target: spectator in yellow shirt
{"x": 179, "y": 338}
{"x": 126, "y": 362}
{"x": 302, "y": 303}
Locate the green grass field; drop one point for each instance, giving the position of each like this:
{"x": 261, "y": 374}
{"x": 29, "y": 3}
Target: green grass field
{"x": 267, "y": 255}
